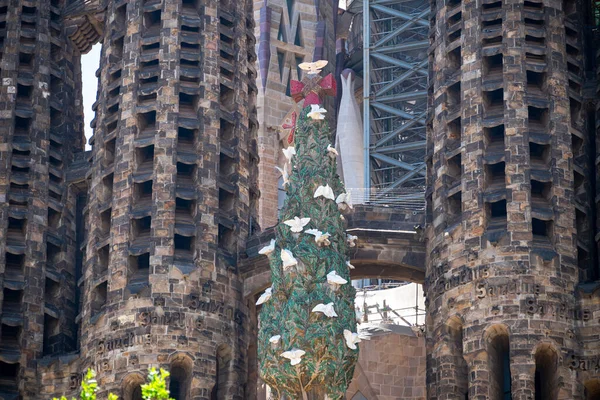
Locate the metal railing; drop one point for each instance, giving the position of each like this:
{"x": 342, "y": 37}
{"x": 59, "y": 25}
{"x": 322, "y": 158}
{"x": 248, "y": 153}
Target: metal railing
{"x": 410, "y": 199}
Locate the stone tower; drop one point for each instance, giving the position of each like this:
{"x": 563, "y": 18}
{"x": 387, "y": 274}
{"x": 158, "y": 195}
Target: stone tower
{"x": 172, "y": 196}
{"x": 509, "y": 193}
{"x": 40, "y": 128}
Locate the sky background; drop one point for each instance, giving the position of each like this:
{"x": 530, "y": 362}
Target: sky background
{"x": 89, "y": 64}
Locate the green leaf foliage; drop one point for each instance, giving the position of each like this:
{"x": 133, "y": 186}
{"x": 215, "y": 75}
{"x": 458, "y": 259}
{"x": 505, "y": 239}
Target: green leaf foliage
{"x": 328, "y": 365}
{"x": 155, "y": 389}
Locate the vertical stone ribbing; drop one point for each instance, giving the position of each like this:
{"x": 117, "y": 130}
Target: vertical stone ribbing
{"x": 171, "y": 200}
{"x": 502, "y": 253}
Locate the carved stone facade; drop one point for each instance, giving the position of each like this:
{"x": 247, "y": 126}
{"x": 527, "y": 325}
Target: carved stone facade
{"x": 511, "y": 245}
{"x": 288, "y": 33}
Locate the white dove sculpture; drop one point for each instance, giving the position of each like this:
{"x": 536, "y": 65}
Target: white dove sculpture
{"x": 352, "y": 339}
{"x": 265, "y": 296}
{"x": 284, "y": 174}
{"x": 322, "y": 239}
{"x": 316, "y": 112}
{"x": 335, "y": 280}
{"x": 297, "y": 224}
{"x": 326, "y": 309}
{"x": 344, "y": 201}
{"x": 331, "y": 151}
{"x": 313, "y": 68}
{"x": 350, "y": 266}
{"x": 268, "y": 249}
{"x": 294, "y": 355}
{"x": 288, "y": 259}
{"x": 289, "y": 153}
{"x": 351, "y": 239}
{"x": 275, "y": 339}
{"x": 325, "y": 191}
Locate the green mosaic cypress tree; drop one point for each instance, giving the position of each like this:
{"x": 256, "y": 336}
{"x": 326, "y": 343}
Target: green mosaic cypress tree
{"x": 303, "y": 352}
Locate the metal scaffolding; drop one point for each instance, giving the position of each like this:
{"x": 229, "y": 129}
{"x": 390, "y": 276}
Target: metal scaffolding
{"x": 395, "y": 71}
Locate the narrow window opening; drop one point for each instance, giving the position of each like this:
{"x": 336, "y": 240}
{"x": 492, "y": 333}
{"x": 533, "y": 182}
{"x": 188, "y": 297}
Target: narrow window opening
{"x": 536, "y": 82}
{"x": 541, "y": 229}
{"x": 541, "y": 193}
{"x": 227, "y": 98}
{"x": 455, "y": 205}
{"x": 109, "y": 151}
{"x": 453, "y": 97}
{"x": 538, "y": 119}
{"x": 118, "y": 47}
{"x": 494, "y": 139}
{"x": 51, "y": 341}
{"x": 147, "y": 121}
{"x": 226, "y": 130}
{"x": 496, "y": 215}
{"x": 103, "y": 260}
{"x": 499, "y": 366}
{"x": 495, "y": 176}
{"x": 226, "y": 201}
{"x": 143, "y": 193}
{"x": 99, "y": 298}
{"x": 152, "y": 21}
{"x": 141, "y": 228}
{"x": 145, "y": 159}
{"x": 226, "y": 238}
{"x": 539, "y": 155}
{"x": 10, "y": 339}
{"x": 455, "y": 167}
{"x": 455, "y": 59}
{"x": 493, "y": 103}
{"x": 492, "y": 65}
{"x": 8, "y": 377}
{"x": 105, "y": 222}
{"x": 107, "y": 187}
{"x": 121, "y": 16}
{"x": 139, "y": 269}
{"x": 15, "y": 265}
{"x": 546, "y": 379}
{"x": 187, "y": 103}
{"x": 53, "y": 218}
{"x": 11, "y": 303}
{"x": 186, "y": 138}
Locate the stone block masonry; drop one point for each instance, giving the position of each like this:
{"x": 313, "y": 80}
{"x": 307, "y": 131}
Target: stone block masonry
{"x": 509, "y": 181}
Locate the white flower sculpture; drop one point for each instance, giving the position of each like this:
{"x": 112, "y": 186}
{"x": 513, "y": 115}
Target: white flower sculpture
{"x": 325, "y": 191}
{"x": 316, "y": 112}
{"x": 322, "y": 239}
{"x": 335, "y": 280}
{"x": 297, "y": 224}
{"x": 326, "y": 309}
{"x": 352, "y": 339}
{"x": 288, "y": 259}
{"x": 275, "y": 339}
{"x": 268, "y": 249}
{"x": 344, "y": 201}
{"x": 265, "y": 296}
{"x": 294, "y": 355}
